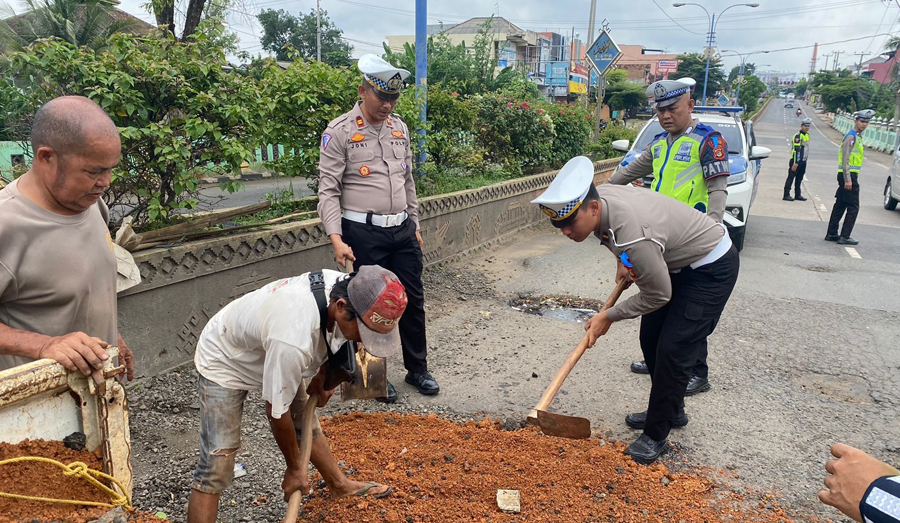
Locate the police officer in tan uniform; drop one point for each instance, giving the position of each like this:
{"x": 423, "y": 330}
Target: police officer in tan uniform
{"x": 368, "y": 204}
{"x": 684, "y": 265}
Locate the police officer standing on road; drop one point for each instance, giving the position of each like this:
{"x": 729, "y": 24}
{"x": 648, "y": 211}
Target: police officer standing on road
{"x": 846, "y": 198}
{"x": 684, "y": 265}
{"x": 368, "y": 204}
{"x": 689, "y": 162}
{"x": 797, "y": 165}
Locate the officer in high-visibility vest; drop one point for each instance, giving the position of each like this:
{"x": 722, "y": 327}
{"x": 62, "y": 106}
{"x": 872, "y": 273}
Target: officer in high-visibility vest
{"x": 850, "y": 158}
{"x": 797, "y": 165}
{"x": 689, "y": 162}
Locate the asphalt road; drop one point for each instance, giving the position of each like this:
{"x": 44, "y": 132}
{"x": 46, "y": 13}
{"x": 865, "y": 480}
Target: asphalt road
{"x": 255, "y": 191}
{"x": 806, "y": 353}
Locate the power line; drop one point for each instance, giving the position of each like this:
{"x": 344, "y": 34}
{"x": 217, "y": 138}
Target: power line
{"x": 676, "y": 23}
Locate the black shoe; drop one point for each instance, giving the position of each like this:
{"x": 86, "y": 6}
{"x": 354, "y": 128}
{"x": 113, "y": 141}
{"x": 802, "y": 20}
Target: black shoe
{"x": 847, "y": 241}
{"x": 645, "y": 449}
{"x": 697, "y": 385}
{"x": 391, "y": 395}
{"x": 423, "y": 382}
{"x": 832, "y": 237}
{"x": 637, "y": 420}
{"x": 640, "y": 367}
{"x": 800, "y": 198}
{"x": 787, "y": 198}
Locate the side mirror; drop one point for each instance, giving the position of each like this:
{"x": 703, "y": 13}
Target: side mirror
{"x": 621, "y": 145}
{"x": 758, "y": 152}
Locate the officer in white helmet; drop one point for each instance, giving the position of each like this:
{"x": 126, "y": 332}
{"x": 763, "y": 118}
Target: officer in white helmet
{"x": 688, "y": 162}
{"x": 684, "y": 265}
{"x": 368, "y": 203}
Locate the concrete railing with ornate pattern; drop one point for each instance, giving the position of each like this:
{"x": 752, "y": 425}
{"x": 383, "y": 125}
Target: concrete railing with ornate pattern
{"x": 183, "y": 286}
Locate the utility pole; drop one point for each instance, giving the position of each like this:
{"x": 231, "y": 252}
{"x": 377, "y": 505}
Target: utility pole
{"x": 318, "y": 30}
{"x": 422, "y": 78}
{"x": 590, "y": 40}
{"x": 827, "y": 56}
{"x": 837, "y": 57}
{"x": 859, "y": 67}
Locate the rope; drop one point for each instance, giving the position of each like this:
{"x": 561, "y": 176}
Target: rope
{"x": 81, "y": 470}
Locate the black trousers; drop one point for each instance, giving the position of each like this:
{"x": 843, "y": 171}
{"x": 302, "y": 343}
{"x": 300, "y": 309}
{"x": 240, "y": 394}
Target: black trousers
{"x": 794, "y": 178}
{"x": 673, "y": 337}
{"x": 845, "y": 200}
{"x": 397, "y": 250}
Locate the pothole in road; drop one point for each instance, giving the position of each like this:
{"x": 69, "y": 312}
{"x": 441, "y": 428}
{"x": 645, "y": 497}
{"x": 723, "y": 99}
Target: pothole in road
{"x": 557, "y": 306}
{"x": 844, "y": 388}
{"x": 820, "y": 269}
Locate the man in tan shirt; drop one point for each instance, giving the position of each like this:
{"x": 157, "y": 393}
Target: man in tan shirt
{"x": 368, "y": 205}
{"x": 57, "y": 266}
{"x": 682, "y": 261}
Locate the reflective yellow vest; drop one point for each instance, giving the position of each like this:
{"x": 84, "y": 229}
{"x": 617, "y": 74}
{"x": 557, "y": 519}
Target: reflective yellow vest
{"x": 804, "y": 142}
{"x": 856, "y": 154}
{"x": 676, "y": 169}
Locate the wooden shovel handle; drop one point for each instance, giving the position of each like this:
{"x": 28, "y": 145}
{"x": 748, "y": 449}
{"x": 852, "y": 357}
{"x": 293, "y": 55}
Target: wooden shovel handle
{"x": 307, "y": 419}
{"x": 348, "y": 265}
{"x": 573, "y": 358}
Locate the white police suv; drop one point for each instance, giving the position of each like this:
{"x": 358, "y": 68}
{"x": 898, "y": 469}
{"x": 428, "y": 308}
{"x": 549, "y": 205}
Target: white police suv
{"x": 744, "y": 159}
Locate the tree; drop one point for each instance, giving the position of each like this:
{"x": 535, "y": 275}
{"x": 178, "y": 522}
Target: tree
{"x": 78, "y": 22}
{"x": 749, "y": 69}
{"x": 195, "y": 12}
{"x": 750, "y": 91}
{"x": 466, "y": 70}
{"x": 621, "y": 94}
{"x": 850, "y": 93}
{"x": 282, "y": 29}
{"x": 693, "y": 65}
{"x": 801, "y": 87}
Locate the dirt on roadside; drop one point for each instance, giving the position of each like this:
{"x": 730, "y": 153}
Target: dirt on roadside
{"x": 446, "y": 471}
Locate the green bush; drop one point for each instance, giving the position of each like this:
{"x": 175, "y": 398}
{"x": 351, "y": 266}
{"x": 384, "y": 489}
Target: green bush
{"x": 177, "y": 109}
{"x": 516, "y": 135}
{"x": 602, "y": 149}
{"x": 573, "y": 126}
{"x": 300, "y": 101}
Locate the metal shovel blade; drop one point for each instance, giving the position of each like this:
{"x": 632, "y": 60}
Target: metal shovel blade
{"x": 371, "y": 382}
{"x": 563, "y": 426}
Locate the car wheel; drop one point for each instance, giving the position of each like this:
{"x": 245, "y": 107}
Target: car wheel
{"x": 889, "y": 202}
{"x": 737, "y": 237}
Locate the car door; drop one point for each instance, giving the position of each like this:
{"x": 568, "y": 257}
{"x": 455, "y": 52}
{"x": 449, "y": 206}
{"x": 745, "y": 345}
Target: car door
{"x": 756, "y": 165}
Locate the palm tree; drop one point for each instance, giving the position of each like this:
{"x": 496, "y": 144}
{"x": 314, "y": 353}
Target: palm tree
{"x": 79, "y": 22}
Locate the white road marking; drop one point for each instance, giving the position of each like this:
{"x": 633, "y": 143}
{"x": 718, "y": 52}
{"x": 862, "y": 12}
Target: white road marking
{"x": 852, "y": 252}
{"x": 822, "y": 208}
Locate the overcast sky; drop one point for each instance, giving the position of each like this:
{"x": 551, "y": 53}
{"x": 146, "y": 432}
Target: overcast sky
{"x": 775, "y": 24}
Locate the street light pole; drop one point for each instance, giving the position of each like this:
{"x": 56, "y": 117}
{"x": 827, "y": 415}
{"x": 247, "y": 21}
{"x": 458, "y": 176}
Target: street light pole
{"x": 712, "y": 35}
{"x": 318, "y": 30}
{"x": 743, "y": 58}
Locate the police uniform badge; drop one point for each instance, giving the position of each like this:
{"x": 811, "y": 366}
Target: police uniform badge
{"x": 397, "y": 134}
{"x": 360, "y": 123}
{"x": 364, "y": 171}
{"x": 395, "y": 82}
{"x": 659, "y": 91}
{"x": 358, "y": 137}
{"x": 684, "y": 152}
{"x": 325, "y": 139}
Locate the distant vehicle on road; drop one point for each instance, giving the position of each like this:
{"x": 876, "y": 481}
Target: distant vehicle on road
{"x": 744, "y": 161}
{"x": 892, "y": 187}
{"x": 789, "y": 104}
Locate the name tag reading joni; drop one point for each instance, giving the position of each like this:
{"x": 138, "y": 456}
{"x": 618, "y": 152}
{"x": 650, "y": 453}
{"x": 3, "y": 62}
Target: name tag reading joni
{"x": 378, "y": 318}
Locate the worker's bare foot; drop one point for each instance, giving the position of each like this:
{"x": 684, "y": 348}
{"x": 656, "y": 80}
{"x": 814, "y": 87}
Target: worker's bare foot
{"x": 360, "y": 488}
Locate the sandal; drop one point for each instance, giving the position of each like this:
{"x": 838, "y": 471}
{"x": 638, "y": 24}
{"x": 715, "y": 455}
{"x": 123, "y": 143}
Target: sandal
{"x": 369, "y": 486}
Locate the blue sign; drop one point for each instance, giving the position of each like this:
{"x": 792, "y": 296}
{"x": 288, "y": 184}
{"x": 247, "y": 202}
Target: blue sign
{"x": 501, "y": 63}
{"x": 723, "y": 100}
{"x": 603, "y": 52}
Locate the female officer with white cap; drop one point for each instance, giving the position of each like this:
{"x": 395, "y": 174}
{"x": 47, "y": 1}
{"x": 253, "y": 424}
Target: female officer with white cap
{"x": 684, "y": 265}
{"x": 368, "y": 204}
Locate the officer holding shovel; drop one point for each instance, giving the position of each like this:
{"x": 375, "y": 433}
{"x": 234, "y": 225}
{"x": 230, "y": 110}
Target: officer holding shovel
{"x": 684, "y": 265}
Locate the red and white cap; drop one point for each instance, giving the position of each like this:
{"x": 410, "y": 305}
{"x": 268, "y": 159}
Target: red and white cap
{"x": 380, "y": 300}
